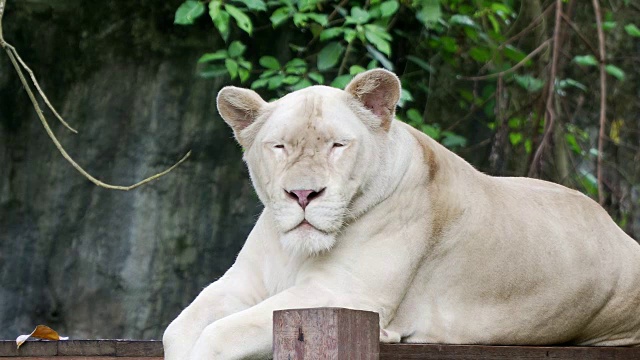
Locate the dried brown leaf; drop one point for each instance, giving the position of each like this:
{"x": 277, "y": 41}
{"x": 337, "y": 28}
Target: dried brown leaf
{"x": 40, "y": 332}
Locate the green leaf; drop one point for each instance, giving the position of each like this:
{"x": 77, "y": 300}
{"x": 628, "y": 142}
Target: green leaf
{"x": 220, "y": 19}
{"x": 609, "y": 25}
{"x": 386, "y": 63}
{"x": 529, "y": 83}
{"x": 330, "y": 33}
{"x": 570, "y": 82}
{"x": 280, "y": 16}
{"x": 244, "y": 74}
{"x": 573, "y": 143}
{"x": 414, "y": 116}
{"x": 423, "y": 64}
{"x": 449, "y": 44}
{"x": 305, "y": 5}
{"x": 433, "y": 131}
{"x": 329, "y": 56}
{"x": 300, "y": 19}
{"x": 349, "y": 35}
{"x": 356, "y": 69}
{"x": 301, "y": 84}
{"x": 270, "y": 62}
{"x": 257, "y": 5}
{"x": 615, "y": 71}
{"x": 218, "y": 55}
{"x": 321, "y": 19}
{"x": 501, "y": 9}
{"x": 241, "y": 18}
{"x": 389, "y": 8}
{"x": 465, "y": 20}
{"x": 358, "y": 16}
{"x": 632, "y": 30}
{"x": 480, "y": 54}
{"x": 245, "y": 64}
{"x": 452, "y": 140}
{"x": 296, "y": 66}
{"x": 291, "y": 79}
{"x": 585, "y": 60}
{"x": 430, "y": 13}
{"x": 317, "y": 77}
{"x": 213, "y": 71}
{"x": 379, "y": 37}
{"x": 260, "y": 83}
{"x": 232, "y": 67}
{"x": 275, "y": 81}
{"x": 515, "y": 54}
{"x": 515, "y": 138}
{"x": 236, "y": 49}
{"x": 341, "y": 81}
{"x": 188, "y": 12}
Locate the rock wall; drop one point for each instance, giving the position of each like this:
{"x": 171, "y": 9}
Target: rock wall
{"x": 96, "y": 263}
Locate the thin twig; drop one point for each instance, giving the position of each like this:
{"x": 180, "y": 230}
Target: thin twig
{"x": 550, "y": 114}
{"x": 517, "y": 36}
{"x": 2, "y": 7}
{"x": 512, "y": 69}
{"x": 573, "y": 26}
{"x": 343, "y": 64}
{"x": 17, "y": 62}
{"x": 62, "y": 150}
{"x": 35, "y": 83}
{"x": 603, "y": 98}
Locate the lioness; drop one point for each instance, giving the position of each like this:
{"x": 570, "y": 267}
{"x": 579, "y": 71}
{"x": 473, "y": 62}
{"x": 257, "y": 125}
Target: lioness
{"x": 363, "y": 211}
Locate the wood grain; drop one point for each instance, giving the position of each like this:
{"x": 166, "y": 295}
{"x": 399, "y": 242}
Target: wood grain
{"x": 481, "y": 352}
{"x": 325, "y": 333}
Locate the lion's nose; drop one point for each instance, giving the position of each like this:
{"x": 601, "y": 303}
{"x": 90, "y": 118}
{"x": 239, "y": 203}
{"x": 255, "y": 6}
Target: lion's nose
{"x": 304, "y": 197}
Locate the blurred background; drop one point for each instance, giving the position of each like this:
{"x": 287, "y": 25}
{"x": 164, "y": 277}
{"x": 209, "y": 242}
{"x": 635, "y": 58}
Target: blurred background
{"x": 508, "y": 85}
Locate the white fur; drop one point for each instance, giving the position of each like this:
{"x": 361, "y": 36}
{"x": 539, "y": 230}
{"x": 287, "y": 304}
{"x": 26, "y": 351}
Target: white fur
{"x": 406, "y": 228}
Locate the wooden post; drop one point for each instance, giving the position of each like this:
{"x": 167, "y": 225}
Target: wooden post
{"x": 325, "y": 334}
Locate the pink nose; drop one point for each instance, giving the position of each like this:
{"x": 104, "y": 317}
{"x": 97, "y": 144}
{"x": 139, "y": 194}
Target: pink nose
{"x": 304, "y": 197}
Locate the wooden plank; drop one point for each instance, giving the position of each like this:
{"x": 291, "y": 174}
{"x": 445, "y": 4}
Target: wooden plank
{"x": 481, "y": 352}
{"x": 325, "y": 333}
{"x": 29, "y": 348}
{"x": 139, "y": 348}
{"x": 84, "y": 358}
{"x": 84, "y": 348}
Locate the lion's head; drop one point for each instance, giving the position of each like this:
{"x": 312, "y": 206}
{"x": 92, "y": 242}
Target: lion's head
{"x": 317, "y": 157}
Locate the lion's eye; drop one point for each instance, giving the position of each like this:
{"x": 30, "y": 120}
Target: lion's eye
{"x": 337, "y": 145}
{"x": 278, "y": 146}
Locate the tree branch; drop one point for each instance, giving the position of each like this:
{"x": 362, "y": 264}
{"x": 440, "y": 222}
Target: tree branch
{"x": 550, "y": 114}
{"x": 17, "y": 62}
{"x": 603, "y": 98}
{"x": 512, "y": 69}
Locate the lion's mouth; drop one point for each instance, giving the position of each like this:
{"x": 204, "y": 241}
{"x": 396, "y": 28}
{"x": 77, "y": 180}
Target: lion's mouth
{"x": 305, "y": 223}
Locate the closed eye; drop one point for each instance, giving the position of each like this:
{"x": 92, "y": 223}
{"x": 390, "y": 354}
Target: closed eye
{"x": 336, "y": 145}
{"x": 279, "y": 146}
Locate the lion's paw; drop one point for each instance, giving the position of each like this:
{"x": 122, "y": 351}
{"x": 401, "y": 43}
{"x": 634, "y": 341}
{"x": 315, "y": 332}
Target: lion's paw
{"x": 388, "y": 336}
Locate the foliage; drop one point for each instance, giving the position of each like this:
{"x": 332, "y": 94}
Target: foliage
{"x": 436, "y": 47}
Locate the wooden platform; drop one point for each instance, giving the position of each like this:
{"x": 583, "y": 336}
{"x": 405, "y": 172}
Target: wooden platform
{"x": 152, "y": 350}
{"x": 318, "y": 334}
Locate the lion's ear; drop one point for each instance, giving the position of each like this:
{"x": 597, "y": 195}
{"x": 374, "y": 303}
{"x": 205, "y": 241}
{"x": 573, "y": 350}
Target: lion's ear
{"x": 379, "y": 91}
{"x": 239, "y": 108}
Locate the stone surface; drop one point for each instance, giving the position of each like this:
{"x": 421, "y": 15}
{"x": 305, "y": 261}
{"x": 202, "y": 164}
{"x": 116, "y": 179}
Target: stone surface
{"x": 95, "y": 263}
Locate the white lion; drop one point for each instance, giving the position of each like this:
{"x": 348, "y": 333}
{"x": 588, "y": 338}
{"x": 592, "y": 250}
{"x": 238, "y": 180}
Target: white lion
{"x": 364, "y": 212}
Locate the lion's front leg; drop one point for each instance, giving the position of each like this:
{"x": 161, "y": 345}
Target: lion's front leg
{"x": 214, "y": 302}
{"x": 249, "y": 333}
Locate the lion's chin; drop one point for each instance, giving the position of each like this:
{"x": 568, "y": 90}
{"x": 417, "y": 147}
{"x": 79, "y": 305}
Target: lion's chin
{"x": 307, "y": 240}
